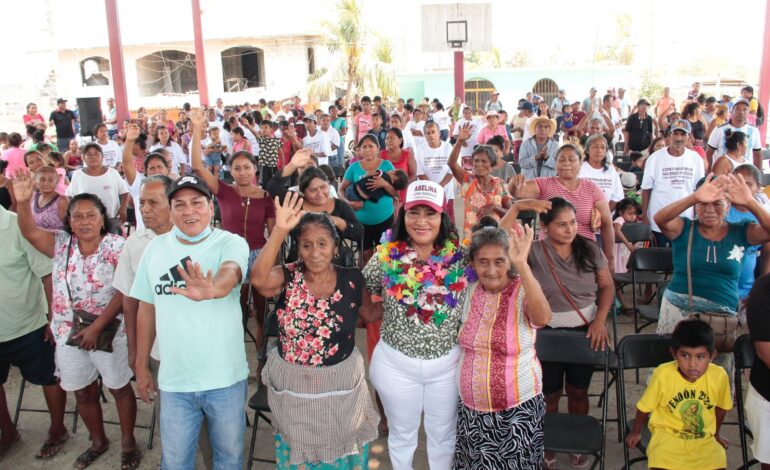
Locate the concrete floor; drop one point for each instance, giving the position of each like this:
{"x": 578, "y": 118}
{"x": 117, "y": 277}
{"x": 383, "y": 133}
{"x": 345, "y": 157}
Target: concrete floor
{"x": 32, "y": 427}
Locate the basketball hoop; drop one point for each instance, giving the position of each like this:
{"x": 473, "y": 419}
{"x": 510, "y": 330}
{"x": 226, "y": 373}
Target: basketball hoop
{"x": 456, "y": 33}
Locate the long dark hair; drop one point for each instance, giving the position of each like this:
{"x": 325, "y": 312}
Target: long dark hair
{"x": 309, "y": 175}
{"x": 99, "y": 205}
{"x": 446, "y": 230}
{"x": 733, "y": 139}
{"x": 581, "y": 252}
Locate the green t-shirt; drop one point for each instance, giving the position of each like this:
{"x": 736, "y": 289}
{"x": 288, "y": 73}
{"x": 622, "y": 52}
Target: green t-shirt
{"x": 23, "y": 307}
{"x": 716, "y": 266}
{"x": 372, "y": 213}
{"x": 201, "y": 343}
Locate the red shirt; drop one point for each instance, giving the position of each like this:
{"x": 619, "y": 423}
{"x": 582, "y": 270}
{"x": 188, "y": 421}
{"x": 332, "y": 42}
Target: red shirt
{"x": 244, "y": 216}
{"x": 402, "y": 164}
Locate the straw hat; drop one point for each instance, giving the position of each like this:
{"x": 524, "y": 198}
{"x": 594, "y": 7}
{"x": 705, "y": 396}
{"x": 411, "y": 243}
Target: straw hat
{"x": 544, "y": 119}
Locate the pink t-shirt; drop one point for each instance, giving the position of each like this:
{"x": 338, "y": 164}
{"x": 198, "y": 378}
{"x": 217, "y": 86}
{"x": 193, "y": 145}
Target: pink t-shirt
{"x": 584, "y": 198}
{"x": 15, "y": 158}
{"x": 30, "y": 119}
{"x": 363, "y": 123}
{"x": 485, "y": 134}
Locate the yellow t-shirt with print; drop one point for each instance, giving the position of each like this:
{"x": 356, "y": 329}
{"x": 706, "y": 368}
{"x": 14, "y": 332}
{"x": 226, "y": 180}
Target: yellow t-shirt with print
{"x": 683, "y": 418}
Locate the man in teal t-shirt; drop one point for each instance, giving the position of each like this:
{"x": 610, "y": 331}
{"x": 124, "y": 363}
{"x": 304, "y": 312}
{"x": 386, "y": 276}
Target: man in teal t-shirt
{"x": 188, "y": 286}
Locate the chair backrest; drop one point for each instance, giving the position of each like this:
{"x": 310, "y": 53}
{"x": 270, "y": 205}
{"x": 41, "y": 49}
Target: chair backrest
{"x": 637, "y": 232}
{"x": 653, "y": 259}
{"x": 744, "y": 352}
{"x": 567, "y": 346}
{"x": 766, "y": 179}
{"x": 638, "y": 351}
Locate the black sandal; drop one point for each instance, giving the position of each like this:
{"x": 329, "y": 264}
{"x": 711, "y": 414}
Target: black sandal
{"x": 88, "y": 457}
{"x": 130, "y": 460}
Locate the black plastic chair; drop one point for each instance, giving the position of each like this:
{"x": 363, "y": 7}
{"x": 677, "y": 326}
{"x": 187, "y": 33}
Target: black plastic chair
{"x": 570, "y": 433}
{"x": 258, "y": 402}
{"x": 649, "y": 266}
{"x": 153, "y": 418}
{"x": 20, "y": 408}
{"x": 634, "y": 233}
{"x": 745, "y": 355}
{"x": 636, "y": 352}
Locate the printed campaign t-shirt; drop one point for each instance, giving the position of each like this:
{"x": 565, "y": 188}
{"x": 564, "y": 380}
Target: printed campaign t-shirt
{"x": 608, "y": 180}
{"x": 201, "y": 343}
{"x": 433, "y": 163}
{"x": 684, "y": 410}
{"x": 670, "y": 178}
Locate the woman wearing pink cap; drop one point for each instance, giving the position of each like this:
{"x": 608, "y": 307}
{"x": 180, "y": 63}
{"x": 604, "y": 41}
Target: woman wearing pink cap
{"x": 420, "y": 272}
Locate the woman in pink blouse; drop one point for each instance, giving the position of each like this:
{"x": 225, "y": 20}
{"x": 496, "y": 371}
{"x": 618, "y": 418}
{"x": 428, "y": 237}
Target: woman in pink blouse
{"x": 500, "y": 422}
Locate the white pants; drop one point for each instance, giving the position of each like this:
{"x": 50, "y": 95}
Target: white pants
{"x": 408, "y": 387}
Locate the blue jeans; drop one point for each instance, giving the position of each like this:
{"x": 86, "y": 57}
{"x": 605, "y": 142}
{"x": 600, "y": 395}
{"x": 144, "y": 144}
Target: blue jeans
{"x": 180, "y": 422}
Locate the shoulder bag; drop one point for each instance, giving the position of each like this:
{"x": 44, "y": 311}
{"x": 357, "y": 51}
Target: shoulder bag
{"x": 82, "y": 319}
{"x": 563, "y": 289}
{"x": 724, "y": 325}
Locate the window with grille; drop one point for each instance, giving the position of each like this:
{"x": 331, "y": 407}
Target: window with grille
{"x": 477, "y": 92}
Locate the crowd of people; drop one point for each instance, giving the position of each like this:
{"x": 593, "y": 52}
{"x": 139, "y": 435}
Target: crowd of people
{"x": 160, "y": 238}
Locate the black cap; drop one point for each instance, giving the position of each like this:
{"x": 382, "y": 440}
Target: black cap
{"x": 192, "y": 182}
{"x": 643, "y": 102}
{"x": 61, "y": 100}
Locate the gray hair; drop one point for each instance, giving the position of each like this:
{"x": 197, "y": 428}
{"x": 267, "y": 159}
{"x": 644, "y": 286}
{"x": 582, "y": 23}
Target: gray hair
{"x": 487, "y": 150}
{"x": 590, "y": 141}
{"x": 749, "y": 168}
{"x": 165, "y": 180}
{"x": 487, "y": 236}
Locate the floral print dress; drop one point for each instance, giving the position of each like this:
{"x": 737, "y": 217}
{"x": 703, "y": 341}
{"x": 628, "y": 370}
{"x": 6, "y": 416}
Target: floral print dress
{"x": 476, "y": 198}
{"x": 89, "y": 278}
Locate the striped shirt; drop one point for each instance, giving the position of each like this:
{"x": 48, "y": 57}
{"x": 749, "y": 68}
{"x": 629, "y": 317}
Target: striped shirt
{"x": 584, "y": 198}
{"x": 499, "y": 368}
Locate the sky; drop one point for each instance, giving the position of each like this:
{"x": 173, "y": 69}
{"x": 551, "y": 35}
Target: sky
{"x": 667, "y": 34}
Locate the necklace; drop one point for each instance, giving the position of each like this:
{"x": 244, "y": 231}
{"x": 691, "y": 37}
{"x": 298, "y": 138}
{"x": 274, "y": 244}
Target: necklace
{"x": 428, "y": 289}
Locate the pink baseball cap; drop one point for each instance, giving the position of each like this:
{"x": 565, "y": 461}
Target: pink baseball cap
{"x": 425, "y": 193}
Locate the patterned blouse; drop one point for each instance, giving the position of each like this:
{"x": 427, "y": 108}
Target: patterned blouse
{"x": 318, "y": 331}
{"x": 499, "y": 368}
{"x": 268, "y": 151}
{"x": 415, "y": 339}
{"x": 89, "y": 278}
{"x": 476, "y": 198}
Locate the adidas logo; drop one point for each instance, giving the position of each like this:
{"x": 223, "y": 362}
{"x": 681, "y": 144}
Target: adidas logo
{"x": 171, "y": 279}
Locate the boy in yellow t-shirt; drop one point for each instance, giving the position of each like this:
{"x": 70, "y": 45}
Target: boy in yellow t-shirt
{"x": 688, "y": 399}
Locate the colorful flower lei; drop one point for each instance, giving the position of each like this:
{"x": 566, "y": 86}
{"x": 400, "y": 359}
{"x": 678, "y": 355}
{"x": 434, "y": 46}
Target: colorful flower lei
{"x": 427, "y": 289}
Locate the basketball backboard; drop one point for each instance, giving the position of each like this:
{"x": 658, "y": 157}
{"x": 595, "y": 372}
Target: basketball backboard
{"x": 457, "y": 26}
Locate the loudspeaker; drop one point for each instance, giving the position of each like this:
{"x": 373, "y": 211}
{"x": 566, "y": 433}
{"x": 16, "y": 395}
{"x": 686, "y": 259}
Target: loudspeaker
{"x": 90, "y": 112}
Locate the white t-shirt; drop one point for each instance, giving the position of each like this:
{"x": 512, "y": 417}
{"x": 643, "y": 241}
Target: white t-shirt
{"x": 442, "y": 119}
{"x": 134, "y": 189}
{"x": 467, "y": 149}
{"x": 252, "y": 140}
{"x": 433, "y": 164}
{"x": 177, "y": 155}
{"x": 409, "y": 139}
{"x": 670, "y": 178}
{"x": 128, "y": 264}
{"x": 608, "y": 180}
{"x": 318, "y": 143}
{"x": 108, "y": 187}
{"x": 415, "y": 126}
{"x": 111, "y": 153}
{"x": 334, "y": 138}
{"x": 717, "y": 140}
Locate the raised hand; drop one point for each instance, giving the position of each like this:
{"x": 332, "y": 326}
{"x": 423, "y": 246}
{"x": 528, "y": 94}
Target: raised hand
{"x": 517, "y": 181}
{"x": 197, "y": 117}
{"x": 712, "y": 189}
{"x": 287, "y": 215}
{"x": 302, "y": 157}
{"x": 23, "y": 186}
{"x": 738, "y": 192}
{"x": 520, "y": 241}
{"x": 465, "y": 133}
{"x": 132, "y": 132}
{"x": 197, "y": 285}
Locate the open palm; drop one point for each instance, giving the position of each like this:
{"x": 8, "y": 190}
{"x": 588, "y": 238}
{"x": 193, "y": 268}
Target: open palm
{"x": 23, "y": 185}
{"x": 197, "y": 285}
{"x": 288, "y": 214}
{"x": 712, "y": 189}
{"x": 197, "y": 117}
{"x": 520, "y": 242}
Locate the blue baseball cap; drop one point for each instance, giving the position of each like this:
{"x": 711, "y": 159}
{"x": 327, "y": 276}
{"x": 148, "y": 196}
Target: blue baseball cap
{"x": 526, "y": 105}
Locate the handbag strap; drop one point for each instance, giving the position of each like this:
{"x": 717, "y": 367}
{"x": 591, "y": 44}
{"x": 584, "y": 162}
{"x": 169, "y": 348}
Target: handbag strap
{"x": 689, "y": 268}
{"x": 561, "y": 286}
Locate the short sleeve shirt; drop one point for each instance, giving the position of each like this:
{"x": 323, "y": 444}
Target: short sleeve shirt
{"x": 485, "y": 134}
{"x": 268, "y": 151}
{"x": 414, "y": 339}
{"x": 89, "y": 278}
{"x": 608, "y": 180}
{"x": 201, "y": 343}
{"x": 245, "y": 216}
{"x": 23, "y": 308}
{"x": 372, "y": 213}
{"x": 63, "y": 123}
{"x": 718, "y": 142}
{"x": 363, "y": 123}
{"x": 584, "y": 198}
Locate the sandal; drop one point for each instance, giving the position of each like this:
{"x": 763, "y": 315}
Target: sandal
{"x": 88, "y": 457}
{"x": 549, "y": 464}
{"x": 50, "y": 449}
{"x": 579, "y": 461}
{"x": 130, "y": 460}
{"x": 5, "y": 448}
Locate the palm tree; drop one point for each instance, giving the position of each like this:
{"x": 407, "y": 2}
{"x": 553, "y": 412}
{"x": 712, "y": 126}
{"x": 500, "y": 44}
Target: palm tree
{"x": 362, "y": 67}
